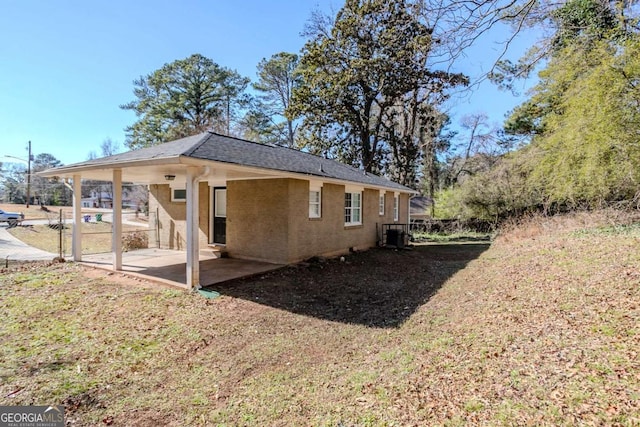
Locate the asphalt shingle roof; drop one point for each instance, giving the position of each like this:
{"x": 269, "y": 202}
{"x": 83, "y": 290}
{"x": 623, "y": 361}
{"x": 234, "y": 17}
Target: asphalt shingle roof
{"x": 225, "y": 149}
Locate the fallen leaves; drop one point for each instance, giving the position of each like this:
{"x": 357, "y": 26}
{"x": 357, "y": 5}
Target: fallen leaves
{"x": 527, "y": 332}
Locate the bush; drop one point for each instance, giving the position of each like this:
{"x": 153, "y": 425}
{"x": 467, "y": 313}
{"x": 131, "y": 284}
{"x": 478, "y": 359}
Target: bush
{"x": 135, "y": 240}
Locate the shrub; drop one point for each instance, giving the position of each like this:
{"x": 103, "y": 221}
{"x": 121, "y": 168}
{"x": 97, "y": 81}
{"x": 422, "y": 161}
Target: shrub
{"x": 135, "y": 240}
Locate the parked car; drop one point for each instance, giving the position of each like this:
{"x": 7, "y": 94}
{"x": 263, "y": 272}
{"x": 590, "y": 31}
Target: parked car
{"x": 13, "y": 218}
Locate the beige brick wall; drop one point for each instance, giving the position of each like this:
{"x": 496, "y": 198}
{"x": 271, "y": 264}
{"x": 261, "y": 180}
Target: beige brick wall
{"x": 269, "y": 220}
{"x": 172, "y": 217}
{"x": 257, "y": 219}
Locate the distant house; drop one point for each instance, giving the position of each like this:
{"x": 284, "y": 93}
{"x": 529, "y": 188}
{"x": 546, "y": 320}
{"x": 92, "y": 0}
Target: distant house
{"x": 420, "y": 209}
{"x": 104, "y": 200}
{"x": 259, "y": 202}
{"x": 98, "y": 199}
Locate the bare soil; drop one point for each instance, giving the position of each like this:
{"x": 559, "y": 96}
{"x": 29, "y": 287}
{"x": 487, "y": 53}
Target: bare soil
{"x": 376, "y": 288}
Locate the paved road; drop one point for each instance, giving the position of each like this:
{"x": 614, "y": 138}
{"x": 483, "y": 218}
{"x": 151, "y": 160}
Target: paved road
{"x": 14, "y": 249}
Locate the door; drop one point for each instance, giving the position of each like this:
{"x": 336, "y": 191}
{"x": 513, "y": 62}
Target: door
{"x": 220, "y": 215}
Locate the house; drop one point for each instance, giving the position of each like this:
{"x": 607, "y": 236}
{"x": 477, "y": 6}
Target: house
{"x": 98, "y": 199}
{"x": 419, "y": 211}
{"x": 259, "y": 202}
{"x": 104, "y": 200}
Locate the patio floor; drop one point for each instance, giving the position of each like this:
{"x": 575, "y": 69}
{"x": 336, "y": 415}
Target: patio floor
{"x": 169, "y": 267}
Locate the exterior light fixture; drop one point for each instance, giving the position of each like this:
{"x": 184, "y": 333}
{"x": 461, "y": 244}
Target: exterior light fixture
{"x": 169, "y": 177}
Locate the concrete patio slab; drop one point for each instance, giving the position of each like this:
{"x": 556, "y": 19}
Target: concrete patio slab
{"x": 169, "y": 267}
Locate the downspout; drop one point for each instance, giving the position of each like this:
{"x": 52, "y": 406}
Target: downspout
{"x": 205, "y": 171}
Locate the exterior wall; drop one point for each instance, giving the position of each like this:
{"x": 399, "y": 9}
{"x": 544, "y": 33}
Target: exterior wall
{"x": 257, "y": 219}
{"x": 172, "y": 217}
{"x": 269, "y": 220}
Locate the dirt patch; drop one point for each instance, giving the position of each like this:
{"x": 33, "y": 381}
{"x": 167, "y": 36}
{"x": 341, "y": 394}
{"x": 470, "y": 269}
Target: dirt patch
{"x": 379, "y": 287}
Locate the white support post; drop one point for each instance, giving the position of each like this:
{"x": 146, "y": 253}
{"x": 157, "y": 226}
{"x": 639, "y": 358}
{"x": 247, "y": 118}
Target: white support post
{"x": 193, "y": 245}
{"x": 116, "y": 239}
{"x": 76, "y": 243}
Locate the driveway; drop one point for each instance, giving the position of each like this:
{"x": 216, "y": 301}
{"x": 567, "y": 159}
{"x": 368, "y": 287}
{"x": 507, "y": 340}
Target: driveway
{"x": 14, "y": 249}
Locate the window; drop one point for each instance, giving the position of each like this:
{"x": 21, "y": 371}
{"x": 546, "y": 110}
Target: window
{"x": 220, "y": 205}
{"x": 315, "y": 200}
{"x": 178, "y": 195}
{"x": 353, "y": 208}
{"x": 396, "y": 207}
{"x": 381, "y": 204}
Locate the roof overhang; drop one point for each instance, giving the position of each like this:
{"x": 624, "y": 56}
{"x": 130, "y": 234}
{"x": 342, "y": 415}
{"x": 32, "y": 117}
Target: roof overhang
{"x": 153, "y": 171}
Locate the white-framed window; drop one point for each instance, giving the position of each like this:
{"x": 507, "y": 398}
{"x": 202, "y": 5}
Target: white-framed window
{"x": 315, "y": 203}
{"x": 353, "y": 208}
{"x": 178, "y": 194}
{"x": 381, "y": 204}
{"x": 396, "y": 207}
{"x": 315, "y": 199}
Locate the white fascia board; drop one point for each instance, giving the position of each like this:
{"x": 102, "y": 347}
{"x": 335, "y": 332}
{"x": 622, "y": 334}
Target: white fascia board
{"x": 69, "y": 171}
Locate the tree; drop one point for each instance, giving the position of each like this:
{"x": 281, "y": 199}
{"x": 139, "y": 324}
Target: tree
{"x": 476, "y": 149}
{"x": 277, "y": 79}
{"x": 183, "y": 98}
{"x": 49, "y": 191}
{"x": 566, "y": 23}
{"x": 109, "y": 147}
{"x": 361, "y": 76}
{"x": 581, "y": 119}
{"x": 14, "y": 182}
{"x": 589, "y": 151}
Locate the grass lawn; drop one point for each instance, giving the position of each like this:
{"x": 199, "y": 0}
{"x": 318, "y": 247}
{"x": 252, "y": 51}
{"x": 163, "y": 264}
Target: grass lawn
{"x": 96, "y": 236}
{"x": 540, "y": 328}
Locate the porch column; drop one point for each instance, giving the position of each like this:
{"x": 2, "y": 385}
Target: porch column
{"x": 76, "y": 242}
{"x": 116, "y": 231}
{"x": 193, "y": 246}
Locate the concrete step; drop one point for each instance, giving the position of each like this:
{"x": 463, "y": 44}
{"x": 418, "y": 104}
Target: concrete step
{"x": 218, "y": 251}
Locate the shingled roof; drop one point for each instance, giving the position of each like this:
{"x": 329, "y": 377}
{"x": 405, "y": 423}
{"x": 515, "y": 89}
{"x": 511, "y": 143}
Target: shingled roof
{"x": 224, "y": 149}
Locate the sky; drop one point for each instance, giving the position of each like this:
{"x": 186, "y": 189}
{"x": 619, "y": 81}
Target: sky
{"x": 66, "y": 66}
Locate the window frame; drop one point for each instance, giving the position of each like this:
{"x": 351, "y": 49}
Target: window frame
{"x": 396, "y": 207}
{"x": 175, "y": 199}
{"x": 351, "y": 209}
{"x": 381, "y": 203}
{"x": 313, "y": 203}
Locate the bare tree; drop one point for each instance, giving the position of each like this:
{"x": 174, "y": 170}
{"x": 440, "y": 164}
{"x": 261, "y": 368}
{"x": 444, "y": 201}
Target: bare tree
{"x": 109, "y": 147}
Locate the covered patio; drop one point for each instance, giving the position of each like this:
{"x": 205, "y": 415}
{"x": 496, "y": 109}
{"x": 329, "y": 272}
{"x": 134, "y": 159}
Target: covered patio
{"x": 159, "y": 165}
{"x": 168, "y": 267}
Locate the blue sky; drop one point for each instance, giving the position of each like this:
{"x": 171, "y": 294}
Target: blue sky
{"x": 66, "y": 66}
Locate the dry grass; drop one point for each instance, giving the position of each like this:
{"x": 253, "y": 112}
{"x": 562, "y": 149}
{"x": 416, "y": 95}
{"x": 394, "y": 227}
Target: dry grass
{"x": 35, "y": 212}
{"x": 541, "y": 331}
{"x": 96, "y": 237}
{"x": 534, "y": 225}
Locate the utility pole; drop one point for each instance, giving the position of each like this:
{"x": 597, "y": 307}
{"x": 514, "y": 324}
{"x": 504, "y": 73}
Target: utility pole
{"x": 29, "y": 176}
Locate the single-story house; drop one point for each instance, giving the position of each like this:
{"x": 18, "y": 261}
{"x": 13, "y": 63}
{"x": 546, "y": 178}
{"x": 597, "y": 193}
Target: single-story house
{"x": 259, "y": 202}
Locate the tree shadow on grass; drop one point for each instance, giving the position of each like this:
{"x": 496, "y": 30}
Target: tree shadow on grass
{"x": 378, "y": 288}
